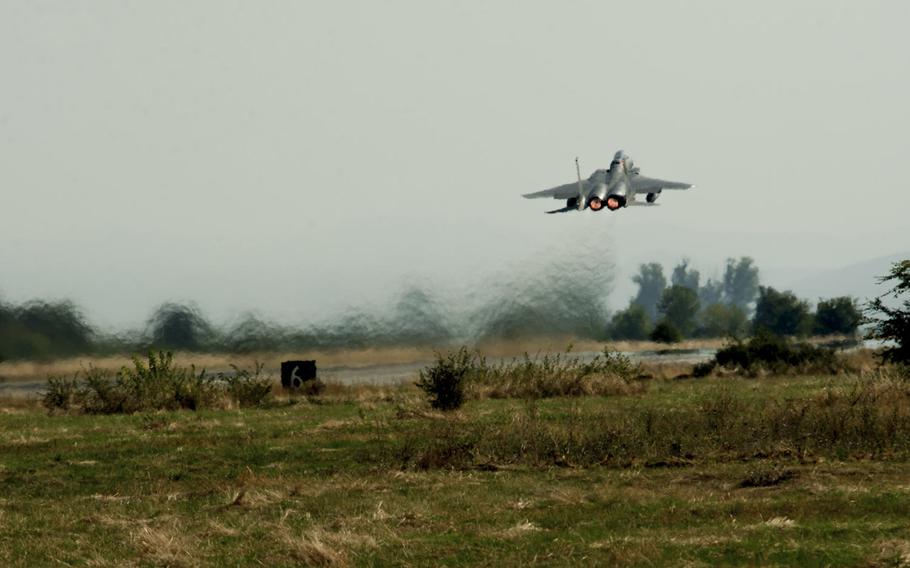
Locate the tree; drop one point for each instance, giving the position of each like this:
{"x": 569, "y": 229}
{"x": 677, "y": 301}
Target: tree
{"x": 684, "y": 276}
{"x": 679, "y": 306}
{"x": 651, "y": 283}
{"x": 723, "y": 320}
{"x": 178, "y": 326}
{"x": 740, "y": 282}
{"x": 45, "y": 329}
{"x": 665, "y": 332}
{"x": 890, "y": 323}
{"x": 712, "y": 292}
{"x": 838, "y": 315}
{"x": 631, "y": 323}
{"x": 252, "y": 334}
{"x": 781, "y": 313}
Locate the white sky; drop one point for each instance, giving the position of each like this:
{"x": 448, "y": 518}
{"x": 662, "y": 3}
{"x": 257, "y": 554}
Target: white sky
{"x": 298, "y": 157}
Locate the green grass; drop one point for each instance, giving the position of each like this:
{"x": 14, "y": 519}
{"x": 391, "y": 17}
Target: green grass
{"x": 306, "y": 482}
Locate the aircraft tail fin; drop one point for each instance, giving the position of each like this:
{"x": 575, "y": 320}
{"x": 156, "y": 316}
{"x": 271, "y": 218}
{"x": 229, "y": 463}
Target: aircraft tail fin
{"x": 581, "y": 190}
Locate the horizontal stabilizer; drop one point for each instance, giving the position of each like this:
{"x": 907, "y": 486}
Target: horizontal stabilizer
{"x": 563, "y": 210}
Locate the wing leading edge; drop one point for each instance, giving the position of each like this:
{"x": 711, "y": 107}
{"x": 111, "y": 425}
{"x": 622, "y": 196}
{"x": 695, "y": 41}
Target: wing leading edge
{"x": 645, "y": 184}
{"x": 565, "y": 191}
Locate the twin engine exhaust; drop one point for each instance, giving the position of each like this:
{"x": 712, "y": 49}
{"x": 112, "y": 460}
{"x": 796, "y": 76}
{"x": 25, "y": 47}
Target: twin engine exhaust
{"x": 612, "y": 202}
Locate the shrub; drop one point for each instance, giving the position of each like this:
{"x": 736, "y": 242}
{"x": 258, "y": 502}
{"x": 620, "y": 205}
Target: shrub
{"x": 444, "y": 380}
{"x": 154, "y": 384}
{"x": 59, "y": 393}
{"x": 767, "y": 352}
{"x": 247, "y": 388}
{"x": 666, "y": 332}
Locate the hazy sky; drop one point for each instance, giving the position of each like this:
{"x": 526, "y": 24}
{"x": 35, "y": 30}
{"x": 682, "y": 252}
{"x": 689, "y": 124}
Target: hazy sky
{"x": 298, "y": 157}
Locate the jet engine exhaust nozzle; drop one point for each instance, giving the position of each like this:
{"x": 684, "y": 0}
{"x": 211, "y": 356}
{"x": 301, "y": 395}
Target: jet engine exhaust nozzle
{"x": 596, "y": 204}
{"x": 614, "y": 202}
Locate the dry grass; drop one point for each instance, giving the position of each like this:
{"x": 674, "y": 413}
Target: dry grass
{"x": 319, "y": 546}
{"x": 354, "y": 358}
{"x": 165, "y": 544}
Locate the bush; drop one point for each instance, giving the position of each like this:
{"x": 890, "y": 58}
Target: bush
{"x": 59, "y": 394}
{"x": 248, "y": 388}
{"x": 444, "y": 381}
{"x": 666, "y": 332}
{"x": 773, "y": 354}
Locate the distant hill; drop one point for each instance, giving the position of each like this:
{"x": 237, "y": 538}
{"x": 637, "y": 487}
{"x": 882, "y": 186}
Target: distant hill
{"x": 859, "y": 280}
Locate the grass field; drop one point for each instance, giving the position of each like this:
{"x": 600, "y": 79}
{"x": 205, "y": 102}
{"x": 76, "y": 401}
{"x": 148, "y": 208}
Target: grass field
{"x": 807, "y": 471}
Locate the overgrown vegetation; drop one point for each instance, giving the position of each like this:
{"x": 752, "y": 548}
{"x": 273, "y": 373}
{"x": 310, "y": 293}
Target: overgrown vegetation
{"x": 154, "y": 384}
{"x": 767, "y": 353}
{"x": 462, "y": 374}
{"x": 855, "y": 419}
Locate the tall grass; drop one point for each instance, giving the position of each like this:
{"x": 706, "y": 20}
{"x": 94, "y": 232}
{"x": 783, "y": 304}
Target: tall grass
{"x": 154, "y": 383}
{"x": 468, "y": 374}
{"x": 858, "y": 418}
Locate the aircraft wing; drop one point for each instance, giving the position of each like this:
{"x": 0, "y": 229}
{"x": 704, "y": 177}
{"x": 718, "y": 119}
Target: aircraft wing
{"x": 642, "y": 184}
{"x": 565, "y": 191}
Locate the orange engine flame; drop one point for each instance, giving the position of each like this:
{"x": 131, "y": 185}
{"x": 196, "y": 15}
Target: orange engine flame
{"x": 596, "y": 204}
{"x": 612, "y": 203}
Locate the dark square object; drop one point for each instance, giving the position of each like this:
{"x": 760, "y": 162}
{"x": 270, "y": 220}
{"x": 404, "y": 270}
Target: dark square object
{"x": 295, "y": 373}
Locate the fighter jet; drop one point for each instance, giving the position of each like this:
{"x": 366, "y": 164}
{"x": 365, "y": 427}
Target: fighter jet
{"x": 612, "y": 188}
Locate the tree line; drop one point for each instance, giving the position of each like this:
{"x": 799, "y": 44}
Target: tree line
{"x": 734, "y": 306}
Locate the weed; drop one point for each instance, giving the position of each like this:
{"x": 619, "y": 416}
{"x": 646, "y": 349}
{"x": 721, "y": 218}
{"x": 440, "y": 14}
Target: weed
{"x": 59, "y": 393}
{"x": 248, "y": 388}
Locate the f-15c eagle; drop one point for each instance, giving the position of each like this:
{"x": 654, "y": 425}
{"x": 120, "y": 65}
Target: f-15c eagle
{"x": 612, "y": 188}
